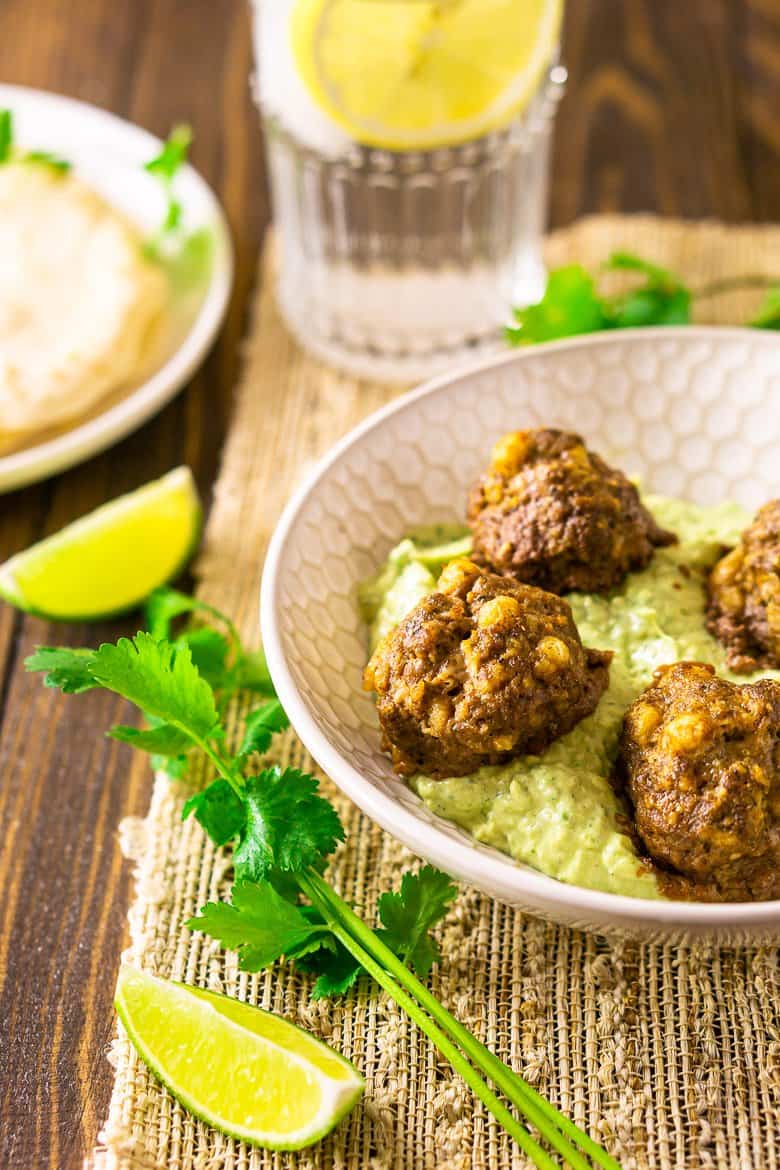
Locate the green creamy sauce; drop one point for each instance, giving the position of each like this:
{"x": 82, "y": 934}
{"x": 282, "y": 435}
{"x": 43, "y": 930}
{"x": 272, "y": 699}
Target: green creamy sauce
{"x": 557, "y": 812}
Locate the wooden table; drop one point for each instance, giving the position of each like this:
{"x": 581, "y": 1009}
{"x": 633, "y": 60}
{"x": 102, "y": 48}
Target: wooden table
{"x": 672, "y": 106}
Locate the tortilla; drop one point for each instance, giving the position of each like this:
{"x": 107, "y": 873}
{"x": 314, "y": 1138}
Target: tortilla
{"x": 79, "y": 301}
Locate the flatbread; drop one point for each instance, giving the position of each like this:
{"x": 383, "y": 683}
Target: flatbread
{"x": 78, "y": 300}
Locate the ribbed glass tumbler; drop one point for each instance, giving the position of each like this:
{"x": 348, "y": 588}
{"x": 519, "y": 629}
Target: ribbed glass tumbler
{"x": 394, "y": 264}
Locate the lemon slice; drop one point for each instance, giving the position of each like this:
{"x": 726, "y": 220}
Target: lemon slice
{"x": 413, "y": 75}
{"x": 248, "y": 1073}
{"x": 111, "y": 559}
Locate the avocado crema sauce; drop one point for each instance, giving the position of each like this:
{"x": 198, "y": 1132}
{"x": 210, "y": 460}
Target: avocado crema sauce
{"x": 558, "y": 812}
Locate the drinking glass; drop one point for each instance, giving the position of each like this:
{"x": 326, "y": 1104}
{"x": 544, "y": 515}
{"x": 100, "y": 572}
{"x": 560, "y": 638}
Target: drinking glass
{"x": 394, "y": 263}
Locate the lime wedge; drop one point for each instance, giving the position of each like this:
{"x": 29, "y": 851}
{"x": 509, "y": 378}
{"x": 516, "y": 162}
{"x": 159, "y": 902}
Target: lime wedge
{"x": 413, "y": 76}
{"x": 111, "y": 559}
{"x": 248, "y": 1073}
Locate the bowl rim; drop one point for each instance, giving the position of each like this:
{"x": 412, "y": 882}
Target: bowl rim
{"x": 490, "y": 867}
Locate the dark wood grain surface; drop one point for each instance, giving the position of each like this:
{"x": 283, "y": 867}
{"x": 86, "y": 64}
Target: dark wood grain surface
{"x": 673, "y": 106}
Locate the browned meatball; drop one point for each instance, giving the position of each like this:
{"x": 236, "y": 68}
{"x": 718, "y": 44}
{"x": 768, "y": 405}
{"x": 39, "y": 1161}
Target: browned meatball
{"x": 481, "y": 670}
{"x": 744, "y": 595}
{"x": 700, "y": 760}
{"x": 551, "y": 513}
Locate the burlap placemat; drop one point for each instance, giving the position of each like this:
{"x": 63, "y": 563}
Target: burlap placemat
{"x": 670, "y": 1056}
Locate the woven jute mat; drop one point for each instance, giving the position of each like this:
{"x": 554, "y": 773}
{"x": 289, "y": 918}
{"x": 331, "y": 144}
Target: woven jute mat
{"x": 670, "y": 1056}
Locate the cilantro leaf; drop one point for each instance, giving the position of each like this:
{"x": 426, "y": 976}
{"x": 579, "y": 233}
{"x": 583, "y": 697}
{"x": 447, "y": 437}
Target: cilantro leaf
{"x": 252, "y": 673}
{"x": 647, "y": 306}
{"x": 40, "y": 157}
{"x": 163, "y": 607}
{"x": 6, "y": 134}
{"x": 68, "y": 670}
{"x": 260, "y": 727}
{"x": 662, "y": 300}
{"x": 160, "y": 679}
{"x": 221, "y": 659}
{"x": 174, "y": 767}
{"x": 573, "y": 304}
{"x": 172, "y": 216}
{"x": 768, "y": 316}
{"x": 337, "y": 971}
{"x": 163, "y": 740}
{"x": 259, "y": 924}
{"x": 288, "y": 826}
{"x": 629, "y": 262}
{"x": 47, "y": 159}
{"x": 570, "y": 305}
{"x": 262, "y": 924}
{"x": 218, "y": 810}
{"x": 407, "y": 916}
{"x": 209, "y": 650}
{"x": 165, "y": 166}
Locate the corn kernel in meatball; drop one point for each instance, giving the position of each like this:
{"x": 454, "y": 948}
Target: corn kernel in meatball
{"x": 744, "y": 595}
{"x": 700, "y": 762}
{"x": 551, "y": 513}
{"x": 482, "y": 670}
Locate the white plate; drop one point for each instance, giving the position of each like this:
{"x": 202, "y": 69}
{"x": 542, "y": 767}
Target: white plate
{"x": 109, "y": 153}
{"x": 694, "y": 411}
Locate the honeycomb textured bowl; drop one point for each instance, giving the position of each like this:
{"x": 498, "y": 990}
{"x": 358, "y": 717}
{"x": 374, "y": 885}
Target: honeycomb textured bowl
{"x": 694, "y": 411}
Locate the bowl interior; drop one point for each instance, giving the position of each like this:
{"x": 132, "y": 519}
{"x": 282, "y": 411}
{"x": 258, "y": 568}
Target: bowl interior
{"x": 694, "y": 412}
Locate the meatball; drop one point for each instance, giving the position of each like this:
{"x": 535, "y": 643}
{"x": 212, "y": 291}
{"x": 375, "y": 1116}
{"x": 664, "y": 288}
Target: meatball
{"x": 744, "y": 595}
{"x": 551, "y": 513}
{"x": 480, "y": 671}
{"x": 700, "y": 761}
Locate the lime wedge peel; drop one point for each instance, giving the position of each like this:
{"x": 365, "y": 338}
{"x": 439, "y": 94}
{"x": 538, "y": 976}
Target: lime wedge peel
{"x": 248, "y": 1073}
{"x": 110, "y": 560}
{"x": 417, "y": 76}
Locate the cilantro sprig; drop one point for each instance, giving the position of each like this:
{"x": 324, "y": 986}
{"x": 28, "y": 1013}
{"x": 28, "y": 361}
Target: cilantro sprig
{"x": 47, "y": 158}
{"x": 283, "y": 832}
{"x": 186, "y": 255}
{"x": 6, "y": 134}
{"x": 182, "y": 682}
{"x": 574, "y": 301}
{"x": 165, "y": 166}
{"x": 40, "y": 157}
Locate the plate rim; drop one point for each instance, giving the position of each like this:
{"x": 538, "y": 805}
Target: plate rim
{"x": 499, "y": 870}
{"x": 80, "y": 442}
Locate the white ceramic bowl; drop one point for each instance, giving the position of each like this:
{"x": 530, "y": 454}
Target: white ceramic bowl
{"x": 694, "y": 411}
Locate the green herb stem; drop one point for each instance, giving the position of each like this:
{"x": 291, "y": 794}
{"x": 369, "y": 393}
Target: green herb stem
{"x": 734, "y": 284}
{"x": 222, "y": 768}
{"x": 435, "y": 1034}
{"x": 230, "y": 626}
{"x": 541, "y": 1113}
